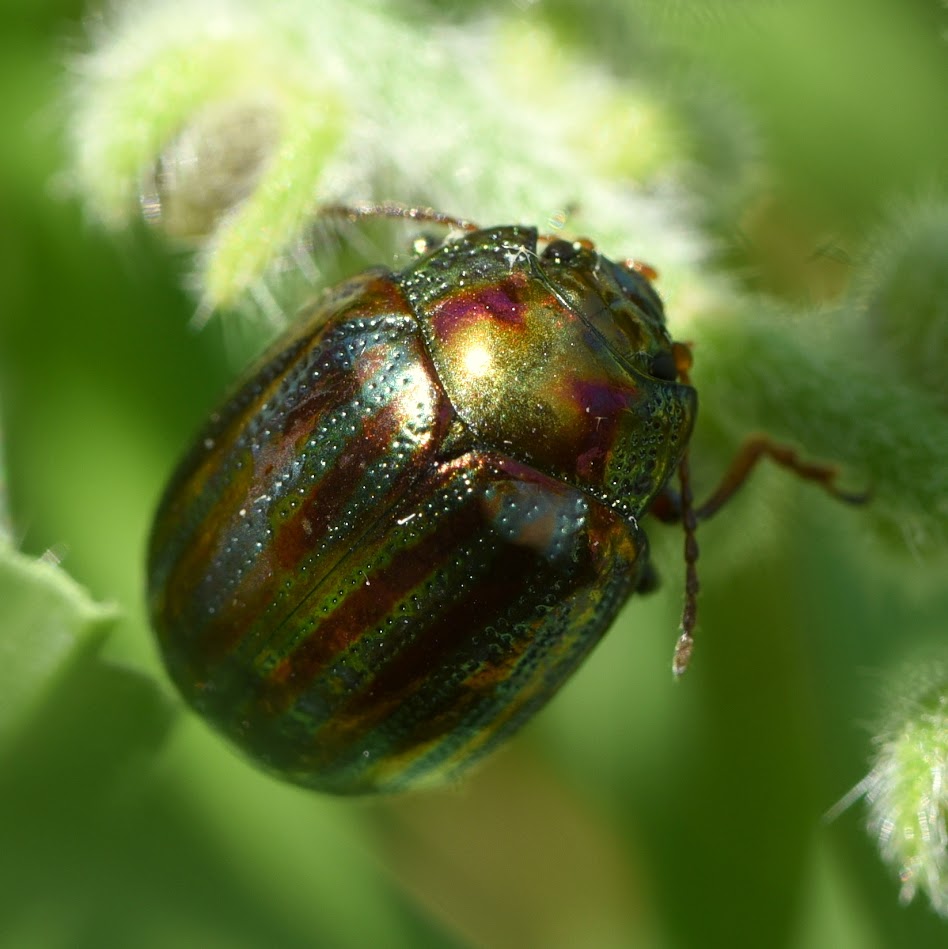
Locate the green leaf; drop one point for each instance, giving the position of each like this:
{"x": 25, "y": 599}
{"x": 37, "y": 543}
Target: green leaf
{"x": 46, "y": 620}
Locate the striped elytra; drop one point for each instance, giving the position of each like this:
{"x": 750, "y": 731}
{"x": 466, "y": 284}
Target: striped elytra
{"x": 414, "y": 519}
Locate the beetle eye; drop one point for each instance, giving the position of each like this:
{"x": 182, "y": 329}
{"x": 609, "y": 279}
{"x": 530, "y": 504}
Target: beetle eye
{"x": 560, "y": 251}
{"x": 662, "y": 366}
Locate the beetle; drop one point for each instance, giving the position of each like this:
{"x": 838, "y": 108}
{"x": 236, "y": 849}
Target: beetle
{"x": 421, "y": 510}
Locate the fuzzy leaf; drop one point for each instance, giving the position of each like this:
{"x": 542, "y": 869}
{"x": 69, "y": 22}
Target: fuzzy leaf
{"x": 46, "y": 619}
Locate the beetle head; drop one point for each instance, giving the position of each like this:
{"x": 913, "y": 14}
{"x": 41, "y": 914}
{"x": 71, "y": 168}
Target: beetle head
{"x": 560, "y": 360}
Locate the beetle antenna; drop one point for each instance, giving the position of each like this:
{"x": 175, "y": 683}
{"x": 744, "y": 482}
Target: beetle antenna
{"x": 689, "y": 521}
{"x": 690, "y": 610}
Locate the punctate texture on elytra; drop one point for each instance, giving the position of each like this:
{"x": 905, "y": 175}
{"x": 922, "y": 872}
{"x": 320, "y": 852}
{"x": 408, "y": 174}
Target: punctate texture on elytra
{"x": 414, "y": 519}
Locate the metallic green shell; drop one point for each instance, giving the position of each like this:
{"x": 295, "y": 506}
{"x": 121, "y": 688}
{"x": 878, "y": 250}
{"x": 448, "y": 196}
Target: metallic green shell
{"x": 413, "y": 521}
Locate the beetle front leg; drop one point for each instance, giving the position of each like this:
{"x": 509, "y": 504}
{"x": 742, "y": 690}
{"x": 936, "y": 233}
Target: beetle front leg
{"x": 667, "y": 507}
{"x": 757, "y": 447}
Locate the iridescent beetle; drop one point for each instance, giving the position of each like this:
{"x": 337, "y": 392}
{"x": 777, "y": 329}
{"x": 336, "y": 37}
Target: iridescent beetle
{"x": 415, "y": 518}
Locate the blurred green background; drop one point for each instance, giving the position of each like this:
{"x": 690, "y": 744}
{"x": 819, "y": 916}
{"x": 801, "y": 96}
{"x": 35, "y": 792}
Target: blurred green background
{"x": 635, "y": 811}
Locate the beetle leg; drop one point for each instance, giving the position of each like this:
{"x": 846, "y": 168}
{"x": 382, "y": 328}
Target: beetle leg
{"x": 649, "y": 580}
{"x": 666, "y": 506}
{"x": 355, "y": 212}
{"x": 670, "y": 507}
{"x": 755, "y": 448}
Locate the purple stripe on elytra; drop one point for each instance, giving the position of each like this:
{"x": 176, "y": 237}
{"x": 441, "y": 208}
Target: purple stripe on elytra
{"x": 463, "y": 673}
{"x": 468, "y": 306}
